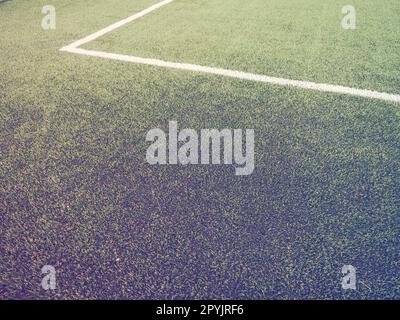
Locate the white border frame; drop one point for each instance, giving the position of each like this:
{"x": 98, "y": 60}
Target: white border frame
{"x": 74, "y": 48}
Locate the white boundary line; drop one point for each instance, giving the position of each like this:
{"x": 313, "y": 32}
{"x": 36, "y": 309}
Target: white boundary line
{"x": 116, "y": 25}
{"x": 73, "y": 48}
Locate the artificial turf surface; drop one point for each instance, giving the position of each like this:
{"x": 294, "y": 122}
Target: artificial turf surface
{"x": 76, "y": 191}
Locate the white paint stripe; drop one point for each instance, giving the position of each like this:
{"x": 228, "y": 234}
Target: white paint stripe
{"x": 242, "y": 75}
{"x": 116, "y": 25}
{"x": 73, "y": 48}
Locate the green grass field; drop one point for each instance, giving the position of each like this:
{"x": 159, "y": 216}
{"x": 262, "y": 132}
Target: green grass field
{"x": 77, "y": 193}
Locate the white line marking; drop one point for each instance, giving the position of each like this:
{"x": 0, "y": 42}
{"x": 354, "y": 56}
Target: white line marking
{"x": 241, "y": 75}
{"x": 73, "y": 48}
{"x": 116, "y": 25}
